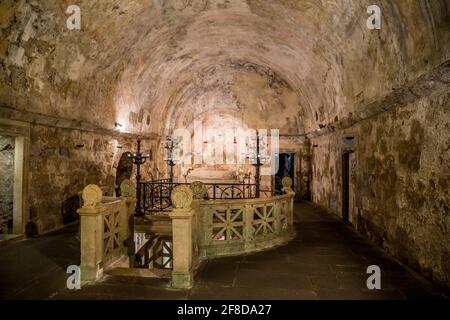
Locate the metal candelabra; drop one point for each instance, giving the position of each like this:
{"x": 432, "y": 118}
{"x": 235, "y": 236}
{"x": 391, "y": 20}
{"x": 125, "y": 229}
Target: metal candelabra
{"x": 170, "y": 145}
{"x": 138, "y": 158}
{"x": 257, "y": 161}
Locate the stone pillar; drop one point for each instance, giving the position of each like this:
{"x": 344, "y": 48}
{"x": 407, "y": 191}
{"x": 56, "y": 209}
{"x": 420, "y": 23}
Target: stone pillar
{"x": 127, "y": 192}
{"x": 182, "y": 238}
{"x": 91, "y": 238}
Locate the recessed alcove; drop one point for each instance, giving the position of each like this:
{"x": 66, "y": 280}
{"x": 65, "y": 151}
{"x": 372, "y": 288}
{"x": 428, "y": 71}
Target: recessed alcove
{"x": 13, "y": 168}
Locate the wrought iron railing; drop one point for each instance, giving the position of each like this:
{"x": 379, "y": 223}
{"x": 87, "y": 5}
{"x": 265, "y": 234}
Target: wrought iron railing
{"x": 217, "y": 191}
{"x": 156, "y": 194}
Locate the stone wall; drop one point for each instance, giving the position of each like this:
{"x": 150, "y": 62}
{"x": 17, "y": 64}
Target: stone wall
{"x": 62, "y": 163}
{"x": 6, "y": 182}
{"x": 400, "y": 172}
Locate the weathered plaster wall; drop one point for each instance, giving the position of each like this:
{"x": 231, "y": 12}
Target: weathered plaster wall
{"x": 132, "y": 60}
{"x": 237, "y": 95}
{"x": 400, "y": 176}
{"x": 6, "y": 182}
{"x": 62, "y": 163}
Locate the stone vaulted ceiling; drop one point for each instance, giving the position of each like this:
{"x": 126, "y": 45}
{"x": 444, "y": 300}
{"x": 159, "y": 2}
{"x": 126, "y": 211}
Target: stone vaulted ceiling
{"x": 155, "y": 65}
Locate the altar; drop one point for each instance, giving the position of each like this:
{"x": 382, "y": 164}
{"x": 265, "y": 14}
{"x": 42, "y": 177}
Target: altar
{"x": 213, "y": 176}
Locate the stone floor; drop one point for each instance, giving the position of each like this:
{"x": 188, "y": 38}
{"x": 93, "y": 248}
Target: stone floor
{"x": 4, "y": 238}
{"x": 326, "y": 260}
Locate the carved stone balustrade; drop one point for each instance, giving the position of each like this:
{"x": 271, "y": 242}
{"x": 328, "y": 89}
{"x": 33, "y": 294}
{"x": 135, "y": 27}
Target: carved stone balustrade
{"x": 106, "y": 225}
{"x": 233, "y": 227}
{"x": 183, "y": 237}
{"x": 205, "y": 229}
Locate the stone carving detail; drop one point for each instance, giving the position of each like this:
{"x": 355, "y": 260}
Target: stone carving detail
{"x": 264, "y": 219}
{"x": 111, "y": 237}
{"x": 286, "y": 182}
{"x": 227, "y": 225}
{"x": 127, "y": 188}
{"x": 182, "y": 197}
{"x": 92, "y": 195}
{"x": 287, "y": 185}
{"x": 198, "y": 190}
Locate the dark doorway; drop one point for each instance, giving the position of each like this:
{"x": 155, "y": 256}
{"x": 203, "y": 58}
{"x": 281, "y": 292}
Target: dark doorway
{"x": 286, "y": 169}
{"x": 346, "y": 187}
{"x": 7, "y": 155}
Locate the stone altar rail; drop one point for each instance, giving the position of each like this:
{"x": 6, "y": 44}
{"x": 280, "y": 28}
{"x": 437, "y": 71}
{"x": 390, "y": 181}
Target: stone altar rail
{"x": 106, "y": 225}
{"x": 242, "y": 226}
{"x": 206, "y": 229}
{"x": 201, "y": 229}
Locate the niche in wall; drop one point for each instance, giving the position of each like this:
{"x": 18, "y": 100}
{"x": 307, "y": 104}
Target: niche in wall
{"x": 7, "y": 154}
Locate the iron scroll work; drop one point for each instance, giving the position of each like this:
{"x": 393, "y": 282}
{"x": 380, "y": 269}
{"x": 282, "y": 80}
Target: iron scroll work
{"x": 156, "y": 195}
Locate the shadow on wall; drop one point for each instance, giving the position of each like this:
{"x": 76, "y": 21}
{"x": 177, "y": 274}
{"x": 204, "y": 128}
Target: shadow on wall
{"x": 72, "y": 204}
{"x": 124, "y": 170}
{"x": 31, "y": 229}
{"x": 69, "y": 209}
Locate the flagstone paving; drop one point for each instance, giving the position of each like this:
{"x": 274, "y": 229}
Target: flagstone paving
{"x": 326, "y": 260}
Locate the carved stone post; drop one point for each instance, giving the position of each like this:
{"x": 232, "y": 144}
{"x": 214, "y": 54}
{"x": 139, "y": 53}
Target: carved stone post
{"x": 277, "y": 214}
{"x": 199, "y": 190}
{"x": 182, "y": 243}
{"x": 287, "y": 189}
{"x": 91, "y": 240}
{"x": 128, "y": 192}
{"x": 286, "y": 182}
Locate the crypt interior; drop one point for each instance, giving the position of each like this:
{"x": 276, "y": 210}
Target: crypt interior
{"x": 224, "y": 149}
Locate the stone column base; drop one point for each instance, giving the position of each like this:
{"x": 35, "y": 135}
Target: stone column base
{"x": 90, "y": 273}
{"x": 181, "y": 280}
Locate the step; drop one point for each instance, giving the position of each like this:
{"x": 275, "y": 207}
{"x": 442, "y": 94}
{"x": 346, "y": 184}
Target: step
{"x": 141, "y": 273}
{"x": 10, "y": 238}
{"x": 157, "y": 225}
